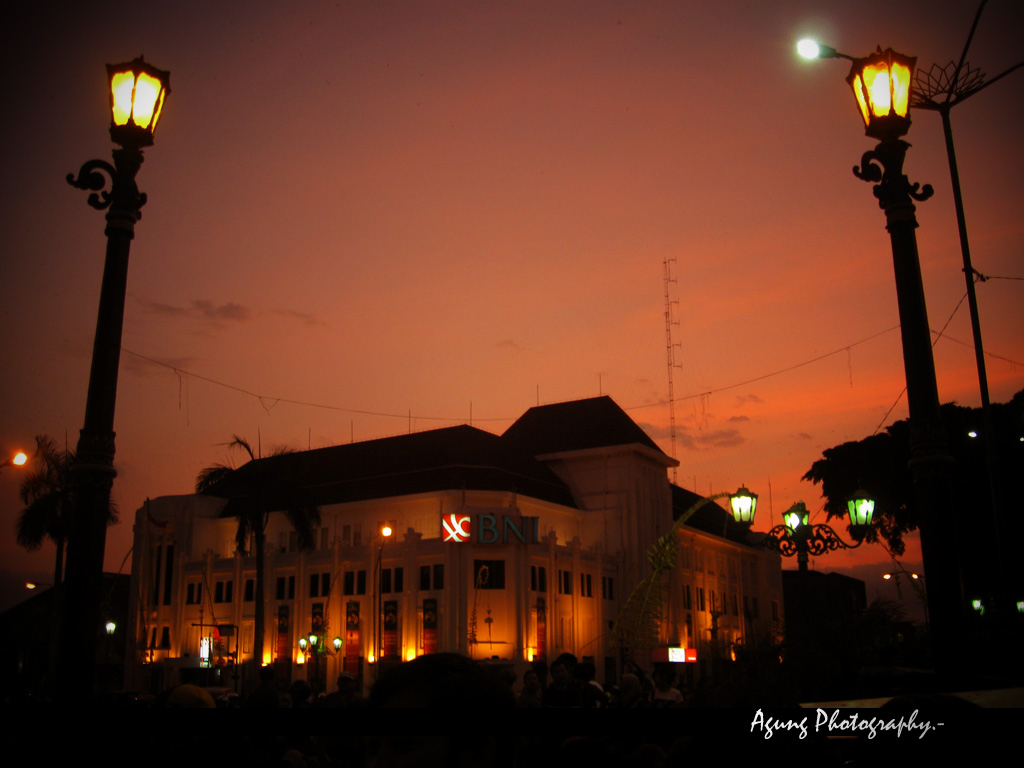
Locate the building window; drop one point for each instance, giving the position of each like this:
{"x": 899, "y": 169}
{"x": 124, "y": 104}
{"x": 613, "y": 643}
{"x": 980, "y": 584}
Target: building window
{"x": 281, "y": 588}
{"x": 250, "y": 588}
{"x": 357, "y": 535}
{"x": 565, "y": 582}
{"x": 711, "y": 600}
{"x": 392, "y": 580}
{"x": 346, "y": 535}
{"x": 735, "y": 605}
{"x": 439, "y": 576}
{"x": 165, "y": 637}
{"x": 489, "y": 574}
{"x": 424, "y": 578}
{"x": 324, "y": 542}
{"x": 608, "y": 587}
{"x": 194, "y": 593}
{"x": 223, "y": 591}
{"x": 293, "y": 540}
{"x": 585, "y": 585}
{"x": 319, "y": 584}
{"x": 700, "y": 599}
{"x": 754, "y": 608}
{"x": 687, "y": 597}
{"x": 354, "y": 583}
{"x": 538, "y": 578}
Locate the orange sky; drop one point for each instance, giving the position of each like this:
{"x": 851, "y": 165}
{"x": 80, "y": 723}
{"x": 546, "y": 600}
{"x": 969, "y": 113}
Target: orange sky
{"x": 432, "y": 209}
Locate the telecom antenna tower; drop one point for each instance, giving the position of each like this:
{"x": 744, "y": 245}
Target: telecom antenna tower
{"x": 670, "y": 351}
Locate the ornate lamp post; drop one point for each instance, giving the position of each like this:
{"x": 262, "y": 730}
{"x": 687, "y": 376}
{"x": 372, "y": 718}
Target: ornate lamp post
{"x": 137, "y": 94}
{"x": 883, "y": 87}
{"x": 796, "y": 536}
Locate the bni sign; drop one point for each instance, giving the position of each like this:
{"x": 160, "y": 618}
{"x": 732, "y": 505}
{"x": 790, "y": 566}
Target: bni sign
{"x": 486, "y": 529}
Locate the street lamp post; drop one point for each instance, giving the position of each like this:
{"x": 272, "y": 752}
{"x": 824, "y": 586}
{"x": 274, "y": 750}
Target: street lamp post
{"x": 939, "y": 89}
{"x": 385, "y": 533}
{"x": 883, "y": 86}
{"x": 137, "y": 94}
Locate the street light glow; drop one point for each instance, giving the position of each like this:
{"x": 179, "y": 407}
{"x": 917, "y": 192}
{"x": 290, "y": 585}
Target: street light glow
{"x": 808, "y": 48}
{"x": 19, "y": 459}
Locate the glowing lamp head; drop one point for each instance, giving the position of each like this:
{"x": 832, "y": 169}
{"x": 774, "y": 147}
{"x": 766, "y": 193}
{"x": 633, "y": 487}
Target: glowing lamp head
{"x": 111, "y": 627}
{"x": 19, "y": 459}
{"x": 812, "y": 49}
{"x": 313, "y": 640}
{"x": 386, "y": 531}
{"x": 336, "y": 643}
{"x": 137, "y": 94}
{"x": 744, "y": 505}
{"x": 861, "y": 507}
{"x": 881, "y": 84}
{"x": 795, "y": 517}
{"x": 302, "y": 644}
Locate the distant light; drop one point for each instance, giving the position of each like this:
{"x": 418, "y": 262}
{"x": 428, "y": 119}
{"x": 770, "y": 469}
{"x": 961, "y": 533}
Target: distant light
{"x": 886, "y": 576}
{"x": 914, "y": 576}
{"x": 111, "y": 627}
{"x": 386, "y": 531}
{"x": 19, "y": 459}
{"x": 808, "y": 48}
{"x": 30, "y": 585}
{"x": 972, "y": 433}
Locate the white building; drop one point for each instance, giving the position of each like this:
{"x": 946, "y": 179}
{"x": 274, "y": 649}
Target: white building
{"x": 506, "y": 548}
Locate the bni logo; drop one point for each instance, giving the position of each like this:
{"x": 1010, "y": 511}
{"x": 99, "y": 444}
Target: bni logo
{"x": 456, "y": 528}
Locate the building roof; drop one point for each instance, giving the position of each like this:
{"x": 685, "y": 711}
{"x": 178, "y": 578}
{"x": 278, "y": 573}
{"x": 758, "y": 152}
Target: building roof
{"x": 452, "y": 458}
{"x": 710, "y": 518}
{"x": 596, "y": 422}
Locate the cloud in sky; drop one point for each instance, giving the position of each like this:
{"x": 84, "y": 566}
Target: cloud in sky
{"x": 702, "y": 441}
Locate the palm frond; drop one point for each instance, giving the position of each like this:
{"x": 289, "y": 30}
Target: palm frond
{"x": 210, "y": 476}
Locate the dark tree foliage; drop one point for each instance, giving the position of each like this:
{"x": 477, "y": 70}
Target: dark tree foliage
{"x": 878, "y": 464}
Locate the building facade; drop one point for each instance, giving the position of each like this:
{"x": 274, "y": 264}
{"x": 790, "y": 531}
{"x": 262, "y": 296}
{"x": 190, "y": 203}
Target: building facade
{"x": 504, "y": 548}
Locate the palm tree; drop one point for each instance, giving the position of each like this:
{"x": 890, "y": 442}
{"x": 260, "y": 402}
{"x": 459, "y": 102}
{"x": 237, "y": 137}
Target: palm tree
{"x": 254, "y": 489}
{"x": 46, "y": 493}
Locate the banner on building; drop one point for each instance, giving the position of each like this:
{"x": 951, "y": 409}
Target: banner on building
{"x": 284, "y": 650}
{"x": 390, "y": 629}
{"x": 352, "y": 638}
{"x": 430, "y": 625}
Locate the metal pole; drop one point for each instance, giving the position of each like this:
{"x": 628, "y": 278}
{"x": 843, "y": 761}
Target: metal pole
{"x": 930, "y": 462}
{"x": 93, "y": 471}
